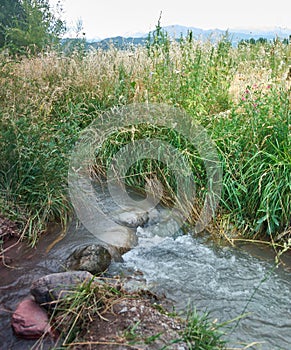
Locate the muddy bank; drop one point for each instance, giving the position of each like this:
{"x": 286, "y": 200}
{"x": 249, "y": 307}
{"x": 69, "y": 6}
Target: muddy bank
{"x": 134, "y": 323}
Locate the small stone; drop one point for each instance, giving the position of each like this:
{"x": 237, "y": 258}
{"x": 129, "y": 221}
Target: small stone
{"x": 117, "y": 235}
{"x": 116, "y": 252}
{"x": 123, "y": 310}
{"x": 30, "y": 321}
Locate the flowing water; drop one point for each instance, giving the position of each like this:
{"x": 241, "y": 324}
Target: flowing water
{"x": 228, "y": 282}
{"x": 225, "y": 281}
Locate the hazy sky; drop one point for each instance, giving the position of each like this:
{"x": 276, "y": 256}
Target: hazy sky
{"x": 106, "y": 18}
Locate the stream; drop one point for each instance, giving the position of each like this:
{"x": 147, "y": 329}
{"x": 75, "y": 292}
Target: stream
{"x": 228, "y": 282}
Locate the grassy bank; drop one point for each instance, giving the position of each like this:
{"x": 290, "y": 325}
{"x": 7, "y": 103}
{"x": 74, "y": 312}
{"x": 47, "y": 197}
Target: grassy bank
{"x": 101, "y": 314}
{"x": 240, "y": 95}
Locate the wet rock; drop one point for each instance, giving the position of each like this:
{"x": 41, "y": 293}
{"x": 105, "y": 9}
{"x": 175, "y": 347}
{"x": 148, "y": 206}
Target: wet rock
{"x": 30, "y": 321}
{"x": 116, "y": 252}
{"x": 114, "y": 234}
{"x": 51, "y": 288}
{"x": 132, "y": 218}
{"x": 93, "y": 258}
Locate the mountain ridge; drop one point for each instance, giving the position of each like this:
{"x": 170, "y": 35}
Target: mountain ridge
{"x": 176, "y": 31}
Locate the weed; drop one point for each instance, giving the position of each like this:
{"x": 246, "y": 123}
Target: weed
{"x": 130, "y": 333}
{"x": 201, "y": 334}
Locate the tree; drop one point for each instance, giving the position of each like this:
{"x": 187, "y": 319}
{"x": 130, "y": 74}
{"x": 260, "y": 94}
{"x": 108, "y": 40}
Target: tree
{"x": 33, "y": 27}
{"x": 9, "y": 11}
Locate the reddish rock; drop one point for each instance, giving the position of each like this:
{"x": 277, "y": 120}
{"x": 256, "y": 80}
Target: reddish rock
{"x": 29, "y": 320}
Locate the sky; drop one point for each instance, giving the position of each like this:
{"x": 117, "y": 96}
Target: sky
{"x": 107, "y": 18}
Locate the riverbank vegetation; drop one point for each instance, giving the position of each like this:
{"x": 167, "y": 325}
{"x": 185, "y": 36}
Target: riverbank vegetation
{"x": 101, "y": 314}
{"x": 241, "y": 95}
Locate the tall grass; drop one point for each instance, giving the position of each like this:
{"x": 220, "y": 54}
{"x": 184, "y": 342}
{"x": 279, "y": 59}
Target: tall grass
{"x": 256, "y": 155}
{"x": 239, "y": 94}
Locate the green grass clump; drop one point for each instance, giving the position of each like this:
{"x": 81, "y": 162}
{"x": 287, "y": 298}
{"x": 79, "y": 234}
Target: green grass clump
{"x": 73, "y": 313}
{"x": 255, "y": 142}
{"x": 239, "y": 94}
{"x": 202, "y": 334}
{"x": 145, "y": 169}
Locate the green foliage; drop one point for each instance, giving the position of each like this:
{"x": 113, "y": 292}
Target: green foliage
{"x": 238, "y": 94}
{"x": 144, "y": 170}
{"x": 197, "y": 78}
{"x": 9, "y": 11}
{"x": 256, "y": 152}
{"x": 202, "y": 334}
{"x": 76, "y": 46}
{"x": 73, "y": 314}
{"x": 158, "y": 41}
{"x": 130, "y": 333}
{"x": 28, "y": 181}
{"x": 31, "y": 26}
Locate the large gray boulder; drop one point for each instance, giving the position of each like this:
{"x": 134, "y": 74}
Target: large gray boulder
{"x": 51, "y": 288}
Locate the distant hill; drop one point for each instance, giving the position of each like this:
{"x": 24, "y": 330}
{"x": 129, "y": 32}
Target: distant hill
{"x": 119, "y": 42}
{"x": 176, "y": 31}
{"x": 235, "y": 35}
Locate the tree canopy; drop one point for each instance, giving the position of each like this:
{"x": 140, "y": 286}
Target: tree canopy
{"x": 29, "y": 25}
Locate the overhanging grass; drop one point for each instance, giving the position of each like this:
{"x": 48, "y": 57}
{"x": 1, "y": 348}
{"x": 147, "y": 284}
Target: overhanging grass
{"x": 256, "y": 154}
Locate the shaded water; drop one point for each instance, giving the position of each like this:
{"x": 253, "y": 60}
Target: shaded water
{"x": 226, "y": 281}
